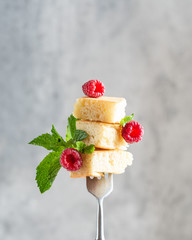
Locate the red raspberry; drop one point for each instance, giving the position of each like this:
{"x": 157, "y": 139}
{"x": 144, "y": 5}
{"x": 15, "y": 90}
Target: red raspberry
{"x": 71, "y": 159}
{"x": 132, "y": 132}
{"x": 93, "y": 88}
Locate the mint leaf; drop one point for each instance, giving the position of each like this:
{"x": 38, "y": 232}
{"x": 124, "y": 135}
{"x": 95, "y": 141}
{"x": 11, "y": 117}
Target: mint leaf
{"x": 50, "y": 142}
{"x": 79, "y": 146}
{"x": 80, "y": 135}
{"x": 58, "y": 139}
{"x": 45, "y": 140}
{"x": 68, "y": 135}
{"x": 83, "y": 148}
{"x": 71, "y": 127}
{"x": 55, "y": 134}
{"x": 89, "y": 149}
{"x": 47, "y": 171}
{"x": 126, "y": 120}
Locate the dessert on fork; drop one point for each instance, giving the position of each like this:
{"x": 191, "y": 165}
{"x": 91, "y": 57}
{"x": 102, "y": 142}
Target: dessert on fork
{"x": 98, "y": 134}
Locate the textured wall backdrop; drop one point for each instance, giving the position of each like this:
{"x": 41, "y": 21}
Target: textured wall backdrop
{"x": 142, "y": 51}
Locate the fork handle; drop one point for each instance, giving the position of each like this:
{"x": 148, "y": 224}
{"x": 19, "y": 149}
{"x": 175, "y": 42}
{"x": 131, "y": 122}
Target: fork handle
{"x": 100, "y": 222}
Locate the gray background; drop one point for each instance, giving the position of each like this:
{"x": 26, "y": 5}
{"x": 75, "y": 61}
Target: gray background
{"x": 141, "y": 50}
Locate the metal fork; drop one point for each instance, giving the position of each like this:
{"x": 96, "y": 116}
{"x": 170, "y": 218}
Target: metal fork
{"x": 100, "y": 188}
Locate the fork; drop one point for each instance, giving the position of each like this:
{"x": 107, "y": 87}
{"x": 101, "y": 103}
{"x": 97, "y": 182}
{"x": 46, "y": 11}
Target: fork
{"x": 100, "y": 188}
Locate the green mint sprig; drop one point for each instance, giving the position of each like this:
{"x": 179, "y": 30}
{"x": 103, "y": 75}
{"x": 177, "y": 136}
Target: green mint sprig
{"x": 49, "y": 167}
{"x": 126, "y": 120}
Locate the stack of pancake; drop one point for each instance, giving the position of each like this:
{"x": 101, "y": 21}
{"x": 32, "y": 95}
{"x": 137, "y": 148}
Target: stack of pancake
{"x": 100, "y": 118}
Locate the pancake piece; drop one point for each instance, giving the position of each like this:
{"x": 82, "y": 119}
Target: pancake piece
{"x": 103, "y": 135}
{"x": 103, "y": 109}
{"x": 103, "y": 161}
